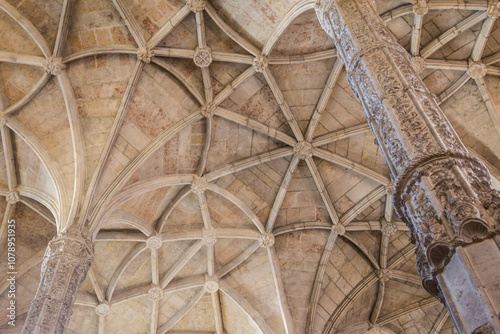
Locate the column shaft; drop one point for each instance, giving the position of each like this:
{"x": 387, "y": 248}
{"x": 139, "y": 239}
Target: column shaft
{"x": 442, "y": 192}
{"x": 66, "y": 262}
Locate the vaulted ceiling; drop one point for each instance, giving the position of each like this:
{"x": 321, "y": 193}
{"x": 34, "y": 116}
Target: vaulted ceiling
{"x": 121, "y": 142}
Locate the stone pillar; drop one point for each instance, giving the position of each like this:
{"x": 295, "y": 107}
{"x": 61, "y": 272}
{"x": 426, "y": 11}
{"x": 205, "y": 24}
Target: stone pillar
{"x": 442, "y": 193}
{"x": 66, "y": 262}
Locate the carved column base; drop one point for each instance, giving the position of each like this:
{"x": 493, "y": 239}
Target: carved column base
{"x": 471, "y": 285}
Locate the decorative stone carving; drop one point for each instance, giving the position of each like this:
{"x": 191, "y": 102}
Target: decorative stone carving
{"x": 65, "y": 265}
{"x": 209, "y": 109}
{"x": 155, "y": 293}
{"x": 211, "y": 284}
{"x": 209, "y": 237}
{"x": 493, "y": 9}
{"x": 266, "y": 240}
{"x": 389, "y": 188}
{"x": 154, "y": 242}
{"x": 260, "y": 63}
{"x": 339, "y": 229}
{"x": 435, "y": 176}
{"x": 145, "y": 54}
{"x": 303, "y": 150}
{"x": 199, "y": 185}
{"x": 53, "y": 65}
{"x": 196, "y": 5}
{"x": 384, "y": 274}
{"x": 476, "y": 70}
{"x": 420, "y": 8}
{"x": 418, "y": 64}
{"x": 388, "y": 228}
{"x": 202, "y": 57}
{"x": 103, "y": 309}
{"x": 374, "y": 329}
{"x": 13, "y": 197}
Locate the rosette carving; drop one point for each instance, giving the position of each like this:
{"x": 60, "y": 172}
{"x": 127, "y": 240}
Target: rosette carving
{"x": 53, "y": 65}
{"x": 260, "y": 63}
{"x": 199, "y": 185}
{"x": 303, "y": 150}
{"x": 145, "y": 54}
{"x": 266, "y": 240}
{"x": 155, "y": 293}
{"x": 202, "y": 57}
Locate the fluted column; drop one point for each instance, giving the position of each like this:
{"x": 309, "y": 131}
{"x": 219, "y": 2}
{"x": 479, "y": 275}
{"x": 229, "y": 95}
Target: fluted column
{"x": 442, "y": 193}
{"x": 67, "y": 260}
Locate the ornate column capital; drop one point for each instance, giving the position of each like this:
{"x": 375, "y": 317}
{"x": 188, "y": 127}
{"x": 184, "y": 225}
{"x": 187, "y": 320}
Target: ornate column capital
{"x": 53, "y": 65}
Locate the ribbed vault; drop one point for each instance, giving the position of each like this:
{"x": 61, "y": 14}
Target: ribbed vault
{"x": 218, "y": 144}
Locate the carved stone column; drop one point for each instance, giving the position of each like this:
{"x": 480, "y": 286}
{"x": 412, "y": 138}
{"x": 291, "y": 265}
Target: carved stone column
{"x": 67, "y": 260}
{"x": 442, "y": 193}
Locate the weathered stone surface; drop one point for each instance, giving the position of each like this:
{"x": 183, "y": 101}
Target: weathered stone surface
{"x": 64, "y": 268}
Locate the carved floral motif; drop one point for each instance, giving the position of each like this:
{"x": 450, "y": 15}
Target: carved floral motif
{"x": 385, "y": 274}
{"x": 145, "y": 54}
{"x": 418, "y": 64}
{"x": 196, "y": 5}
{"x": 476, "y": 70}
{"x": 266, "y": 240}
{"x": 209, "y": 109}
{"x": 260, "y": 63}
{"x": 209, "y": 237}
{"x": 154, "y": 242}
{"x": 420, "y": 8}
{"x": 102, "y": 310}
{"x": 53, "y": 65}
{"x": 338, "y": 229}
{"x": 199, "y": 185}
{"x": 211, "y": 284}
{"x": 155, "y": 293}
{"x": 13, "y": 197}
{"x": 303, "y": 150}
